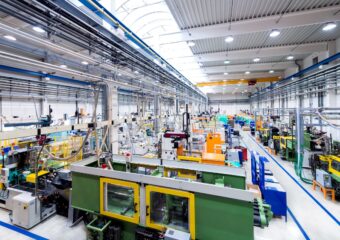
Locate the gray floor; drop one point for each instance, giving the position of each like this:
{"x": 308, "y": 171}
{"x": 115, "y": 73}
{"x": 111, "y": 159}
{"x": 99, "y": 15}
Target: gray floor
{"x": 313, "y": 219}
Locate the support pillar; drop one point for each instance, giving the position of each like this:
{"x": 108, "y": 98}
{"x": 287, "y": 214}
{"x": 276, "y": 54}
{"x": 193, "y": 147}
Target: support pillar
{"x": 157, "y": 113}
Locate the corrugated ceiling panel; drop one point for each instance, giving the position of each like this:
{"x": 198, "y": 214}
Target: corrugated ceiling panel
{"x": 198, "y": 13}
{"x": 295, "y": 35}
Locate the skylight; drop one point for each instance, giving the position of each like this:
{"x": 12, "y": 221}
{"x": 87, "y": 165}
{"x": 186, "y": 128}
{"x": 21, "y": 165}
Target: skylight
{"x": 149, "y": 19}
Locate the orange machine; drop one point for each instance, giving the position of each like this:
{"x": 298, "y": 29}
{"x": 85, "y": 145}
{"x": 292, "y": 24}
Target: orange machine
{"x": 213, "y": 158}
{"x": 214, "y": 143}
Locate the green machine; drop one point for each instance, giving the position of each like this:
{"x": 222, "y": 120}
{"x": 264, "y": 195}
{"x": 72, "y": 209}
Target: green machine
{"x": 287, "y": 148}
{"x": 148, "y": 198}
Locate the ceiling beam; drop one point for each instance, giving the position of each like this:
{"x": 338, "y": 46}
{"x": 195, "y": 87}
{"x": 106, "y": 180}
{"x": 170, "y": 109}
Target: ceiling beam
{"x": 237, "y": 81}
{"x": 315, "y": 16}
{"x": 250, "y": 67}
{"x": 221, "y": 77}
{"x": 275, "y": 51}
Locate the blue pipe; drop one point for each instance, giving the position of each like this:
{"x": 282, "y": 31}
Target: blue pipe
{"x": 303, "y": 71}
{"x": 128, "y": 33}
{"x": 40, "y": 74}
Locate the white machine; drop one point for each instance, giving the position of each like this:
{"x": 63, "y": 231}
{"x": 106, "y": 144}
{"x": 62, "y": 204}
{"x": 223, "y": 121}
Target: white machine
{"x": 323, "y": 178}
{"x": 28, "y": 210}
{"x": 234, "y": 155}
{"x": 172, "y": 234}
{"x": 169, "y": 152}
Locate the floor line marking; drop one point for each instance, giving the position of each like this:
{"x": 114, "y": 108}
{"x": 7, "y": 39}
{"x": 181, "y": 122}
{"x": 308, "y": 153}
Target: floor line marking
{"x": 22, "y": 231}
{"x": 299, "y": 184}
{"x": 302, "y": 230}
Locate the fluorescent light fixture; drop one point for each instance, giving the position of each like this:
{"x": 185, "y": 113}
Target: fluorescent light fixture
{"x": 329, "y": 26}
{"x": 38, "y": 29}
{"x": 225, "y": 73}
{"x": 9, "y": 37}
{"x": 242, "y": 79}
{"x": 256, "y": 59}
{"x": 225, "y": 80}
{"x": 271, "y": 71}
{"x": 229, "y": 39}
{"x": 247, "y": 72}
{"x": 84, "y": 63}
{"x": 290, "y": 57}
{"x": 136, "y": 72}
{"x": 191, "y": 43}
{"x": 226, "y": 62}
{"x": 63, "y": 66}
{"x": 274, "y": 33}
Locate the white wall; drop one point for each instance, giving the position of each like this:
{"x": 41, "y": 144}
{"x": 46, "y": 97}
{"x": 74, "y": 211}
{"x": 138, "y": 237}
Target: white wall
{"x": 229, "y": 108}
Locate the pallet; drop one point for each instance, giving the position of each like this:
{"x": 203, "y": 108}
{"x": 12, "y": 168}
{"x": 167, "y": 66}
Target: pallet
{"x": 326, "y": 191}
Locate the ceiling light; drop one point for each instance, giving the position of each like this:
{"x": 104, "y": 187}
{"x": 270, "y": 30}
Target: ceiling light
{"x": 225, "y": 73}
{"x": 226, "y": 62}
{"x": 156, "y": 61}
{"x": 256, "y": 59}
{"x": 9, "y": 37}
{"x": 191, "y": 43}
{"x": 119, "y": 74}
{"x": 329, "y": 26}
{"x": 247, "y": 72}
{"x": 38, "y": 29}
{"x": 229, "y": 39}
{"x": 225, "y": 80}
{"x": 274, "y": 33}
{"x": 84, "y": 63}
{"x": 136, "y": 72}
{"x": 63, "y": 66}
{"x": 271, "y": 71}
{"x": 290, "y": 57}
{"x": 242, "y": 79}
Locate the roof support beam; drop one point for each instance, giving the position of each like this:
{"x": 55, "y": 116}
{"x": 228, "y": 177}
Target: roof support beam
{"x": 237, "y": 81}
{"x": 302, "y": 18}
{"x": 283, "y": 51}
{"x": 222, "y": 77}
{"x": 250, "y": 67}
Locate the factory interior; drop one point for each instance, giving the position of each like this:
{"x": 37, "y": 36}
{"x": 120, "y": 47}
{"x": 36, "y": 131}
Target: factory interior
{"x": 170, "y": 119}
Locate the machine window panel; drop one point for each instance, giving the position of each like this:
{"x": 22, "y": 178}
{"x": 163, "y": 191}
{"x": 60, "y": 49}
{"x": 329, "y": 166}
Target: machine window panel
{"x": 169, "y": 210}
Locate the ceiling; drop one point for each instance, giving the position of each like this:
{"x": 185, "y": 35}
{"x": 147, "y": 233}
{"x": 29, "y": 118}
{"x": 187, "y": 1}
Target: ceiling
{"x": 206, "y": 23}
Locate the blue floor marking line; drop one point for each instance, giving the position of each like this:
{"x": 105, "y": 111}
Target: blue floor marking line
{"x": 302, "y": 230}
{"x": 22, "y": 231}
{"x": 298, "y": 224}
{"x": 299, "y": 184}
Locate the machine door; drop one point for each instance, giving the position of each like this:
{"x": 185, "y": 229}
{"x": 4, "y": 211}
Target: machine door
{"x": 119, "y": 199}
{"x": 169, "y": 208}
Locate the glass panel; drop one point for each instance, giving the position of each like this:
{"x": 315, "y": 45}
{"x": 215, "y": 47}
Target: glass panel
{"x": 169, "y": 210}
{"x": 120, "y": 200}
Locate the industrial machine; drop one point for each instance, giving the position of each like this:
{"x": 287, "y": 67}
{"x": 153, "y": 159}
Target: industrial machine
{"x": 287, "y": 148}
{"x": 150, "y": 202}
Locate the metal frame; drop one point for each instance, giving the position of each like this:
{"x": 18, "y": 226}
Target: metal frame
{"x": 103, "y": 196}
{"x": 195, "y": 187}
{"x": 189, "y": 196}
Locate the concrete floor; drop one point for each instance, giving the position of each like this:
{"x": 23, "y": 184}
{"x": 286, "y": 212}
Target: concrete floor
{"x": 309, "y": 207}
{"x": 311, "y": 218}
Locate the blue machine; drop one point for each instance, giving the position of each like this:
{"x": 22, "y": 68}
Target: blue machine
{"x": 271, "y": 190}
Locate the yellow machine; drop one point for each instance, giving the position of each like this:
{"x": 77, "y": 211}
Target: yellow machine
{"x": 334, "y": 165}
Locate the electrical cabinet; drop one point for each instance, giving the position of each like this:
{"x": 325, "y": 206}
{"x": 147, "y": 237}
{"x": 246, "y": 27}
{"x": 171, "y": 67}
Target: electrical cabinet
{"x": 119, "y": 199}
{"x": 169, "y": 208}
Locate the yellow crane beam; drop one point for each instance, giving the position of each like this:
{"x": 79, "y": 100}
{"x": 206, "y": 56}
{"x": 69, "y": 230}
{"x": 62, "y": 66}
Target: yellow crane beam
{"x": 237, "y": 81}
